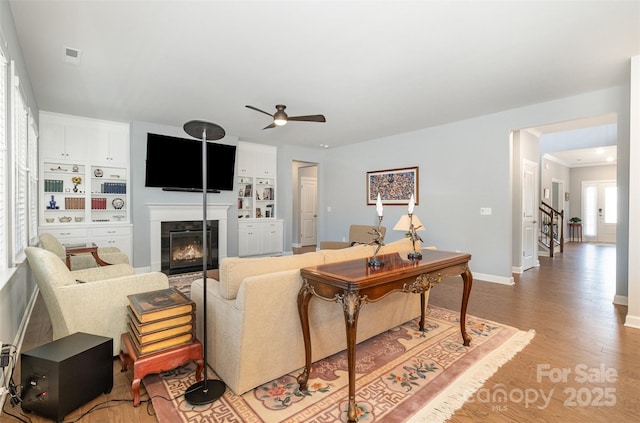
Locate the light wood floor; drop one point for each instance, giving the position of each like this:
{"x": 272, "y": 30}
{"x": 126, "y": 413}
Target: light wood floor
{"x": 567, "y": 301}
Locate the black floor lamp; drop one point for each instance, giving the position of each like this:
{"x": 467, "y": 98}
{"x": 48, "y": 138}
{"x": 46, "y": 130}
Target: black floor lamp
{"x": 204, "y": 391}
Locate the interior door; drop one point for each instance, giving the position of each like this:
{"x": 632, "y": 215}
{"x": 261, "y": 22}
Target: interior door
{"x": 308, "y": 211}
{"x": 529, "y": 212}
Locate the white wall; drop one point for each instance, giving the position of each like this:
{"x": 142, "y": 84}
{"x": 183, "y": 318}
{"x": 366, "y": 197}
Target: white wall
{"x": 17, "y": 287}
{"x": 465, "y": 166}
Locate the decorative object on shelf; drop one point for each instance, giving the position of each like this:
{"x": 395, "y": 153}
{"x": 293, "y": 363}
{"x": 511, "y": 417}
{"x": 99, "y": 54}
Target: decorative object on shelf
{"x": 76, "y": 180}
{"x": 411, "y": 224}
{"x": 117, "y": 203}
{"x": 49, "y": 220}
{"x": 58, "y": 169}
{"x": 395, "y": 185}
{"x": 205, "y": 391}
{"x": 258, "y": 213}
{"x": 52, "y": 204}
{"x": 79, "y": 219}
{"x": 98, "y": 173}
{"x": 65, "y": 219}
{"x": 75, "y": 168}
{"x": 119, "y": 217}
{"x": 378, "y": 236}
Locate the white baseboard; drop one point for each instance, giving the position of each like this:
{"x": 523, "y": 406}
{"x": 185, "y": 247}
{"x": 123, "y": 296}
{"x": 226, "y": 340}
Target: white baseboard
{"x": 632, "y": 321}
{"x": 19, "y": 339}
{"x": 622, "y": 300}
{"x": 493, "y": 278}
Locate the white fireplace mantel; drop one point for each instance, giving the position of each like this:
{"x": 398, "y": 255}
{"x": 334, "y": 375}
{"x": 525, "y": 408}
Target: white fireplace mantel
{"x": 173, "y": 212}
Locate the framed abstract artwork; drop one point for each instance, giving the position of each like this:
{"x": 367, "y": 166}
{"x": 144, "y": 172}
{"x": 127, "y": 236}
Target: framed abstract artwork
{"x": 395, "y": 186}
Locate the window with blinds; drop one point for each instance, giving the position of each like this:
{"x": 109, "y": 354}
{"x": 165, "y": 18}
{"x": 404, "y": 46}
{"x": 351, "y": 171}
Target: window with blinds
{"x": 32, "y": 171}
{"x": 3, "y": 161}
{"x": 19, "y": 148}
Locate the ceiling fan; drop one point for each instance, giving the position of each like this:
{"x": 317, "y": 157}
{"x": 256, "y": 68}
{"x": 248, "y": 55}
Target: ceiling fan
{"x": 280, "y": 118}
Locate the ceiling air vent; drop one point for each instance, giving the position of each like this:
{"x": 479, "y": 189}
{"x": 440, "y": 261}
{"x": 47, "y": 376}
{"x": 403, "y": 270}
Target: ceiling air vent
{"x": 72, "y": 55}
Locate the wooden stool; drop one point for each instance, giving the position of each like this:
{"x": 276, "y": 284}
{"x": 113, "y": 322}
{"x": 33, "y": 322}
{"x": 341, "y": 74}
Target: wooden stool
{"x": 160, "y": 361}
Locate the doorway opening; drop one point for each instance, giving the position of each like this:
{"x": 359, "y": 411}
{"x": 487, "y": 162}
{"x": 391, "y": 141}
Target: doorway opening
{"x": 305, "y": 205}
{"x": 569, "y": 153}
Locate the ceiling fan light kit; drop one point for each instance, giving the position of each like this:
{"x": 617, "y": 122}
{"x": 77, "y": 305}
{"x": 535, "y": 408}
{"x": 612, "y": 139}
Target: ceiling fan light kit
{"x": 280, "y": 117}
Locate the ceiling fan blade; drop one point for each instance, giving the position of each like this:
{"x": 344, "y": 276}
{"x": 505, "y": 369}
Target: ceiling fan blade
{"x": 273, "y": 125}
{"x": 258, "y": 110}
{"x": 310, "y": 118}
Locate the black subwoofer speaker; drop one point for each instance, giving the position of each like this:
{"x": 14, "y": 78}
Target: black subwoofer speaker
{"x": 62, "y": 375}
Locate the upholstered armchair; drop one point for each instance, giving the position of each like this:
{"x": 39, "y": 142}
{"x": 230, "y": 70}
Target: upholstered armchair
{"x": 90, "y": 300}
{"x": 109, "y": 255}
{"x": 358, "y": 234}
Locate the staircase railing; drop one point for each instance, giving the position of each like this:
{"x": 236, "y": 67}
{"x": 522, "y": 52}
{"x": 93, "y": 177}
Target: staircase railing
{"x": 551, "y": 228}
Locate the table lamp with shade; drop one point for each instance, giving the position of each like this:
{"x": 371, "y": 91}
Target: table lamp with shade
{"x": 410, "y": 224}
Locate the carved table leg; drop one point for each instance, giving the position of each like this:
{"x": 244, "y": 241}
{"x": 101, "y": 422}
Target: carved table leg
{"x": 305, "y": 294}
{"x": 351, "y": 304}
{"x": 422, "y": 310}
{"x": 135, "y": 387}
{"x": 467, "y": 278}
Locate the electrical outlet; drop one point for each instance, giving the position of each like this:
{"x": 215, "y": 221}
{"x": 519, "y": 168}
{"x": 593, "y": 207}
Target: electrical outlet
{"x": 4, "y": 355}
{"x": 485, "y": 211}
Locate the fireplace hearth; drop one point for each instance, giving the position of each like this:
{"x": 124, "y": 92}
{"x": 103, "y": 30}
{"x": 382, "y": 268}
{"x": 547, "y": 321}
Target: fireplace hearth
{"x": 182, "y": 248}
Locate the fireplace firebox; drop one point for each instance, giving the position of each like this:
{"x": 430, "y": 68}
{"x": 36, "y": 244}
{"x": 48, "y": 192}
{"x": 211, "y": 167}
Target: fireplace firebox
{"x": 182, "y": 247}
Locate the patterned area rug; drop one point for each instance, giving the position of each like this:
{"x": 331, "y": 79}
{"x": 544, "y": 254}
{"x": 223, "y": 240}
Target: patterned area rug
{"x": 403, "y": 375}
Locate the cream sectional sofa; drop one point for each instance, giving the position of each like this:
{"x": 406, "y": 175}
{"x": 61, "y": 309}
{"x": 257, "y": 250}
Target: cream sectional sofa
{"x": 254, "y": 333}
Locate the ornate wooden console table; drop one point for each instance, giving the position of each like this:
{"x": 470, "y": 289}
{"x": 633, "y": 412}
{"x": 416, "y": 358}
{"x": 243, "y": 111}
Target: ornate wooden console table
{"x": 354, "y": 283}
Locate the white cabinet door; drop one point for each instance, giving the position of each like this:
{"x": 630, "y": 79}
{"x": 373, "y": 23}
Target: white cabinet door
{"x": 265, "y": 161}
{"x": 98, "y": 141}
{"x": 244, "y": 159}
{"x": 249, "y": 239}
{"x": 271, "y": 238}
{"x": 52, "y": 141}
{"x": 108, "y": 146}
{"x": 113, "y": 236}
{"x": 62, "y": 142}
{"x": 75, "y": 140}
{"x": 119, "y": 147}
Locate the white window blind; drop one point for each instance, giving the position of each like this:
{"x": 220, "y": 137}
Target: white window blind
{"x": 19, "y": 148}
{"x": 33, "y": 179}
{"x": 3, "y": 162}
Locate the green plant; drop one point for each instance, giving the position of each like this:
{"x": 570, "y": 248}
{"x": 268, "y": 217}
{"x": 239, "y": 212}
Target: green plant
{"x": 575, "y": 220}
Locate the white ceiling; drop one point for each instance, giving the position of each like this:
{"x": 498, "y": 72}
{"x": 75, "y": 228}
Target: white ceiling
{"x": 372, "y": 68}
{"x": 586, "y": 156}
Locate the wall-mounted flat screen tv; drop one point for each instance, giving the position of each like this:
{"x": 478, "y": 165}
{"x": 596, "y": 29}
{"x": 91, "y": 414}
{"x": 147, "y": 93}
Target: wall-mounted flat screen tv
{"x": 175, "y": 164}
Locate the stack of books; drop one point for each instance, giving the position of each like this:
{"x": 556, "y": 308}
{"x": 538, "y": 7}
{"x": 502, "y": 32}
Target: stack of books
{"x": 159, "y": 320}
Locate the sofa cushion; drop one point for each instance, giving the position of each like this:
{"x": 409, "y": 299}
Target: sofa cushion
{"x": 233, "y": 270}
{"x": 351, "y": 253}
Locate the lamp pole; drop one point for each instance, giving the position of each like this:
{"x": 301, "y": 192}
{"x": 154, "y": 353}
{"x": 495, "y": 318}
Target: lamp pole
{"x": 204, "y": 391}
